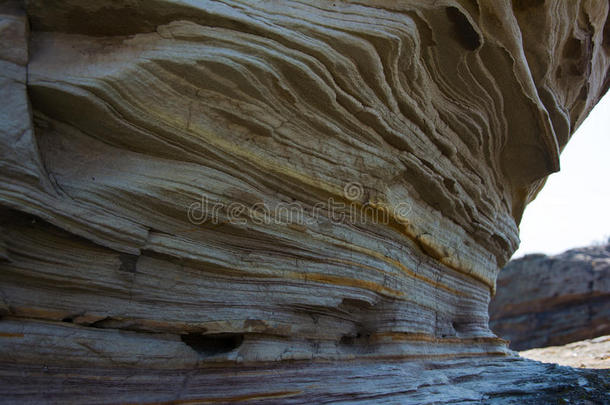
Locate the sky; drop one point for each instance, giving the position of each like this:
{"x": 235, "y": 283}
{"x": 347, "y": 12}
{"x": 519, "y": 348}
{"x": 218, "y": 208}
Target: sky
{"x": 573, "y": 208}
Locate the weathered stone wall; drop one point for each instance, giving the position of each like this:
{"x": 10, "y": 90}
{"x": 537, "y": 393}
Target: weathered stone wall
{"x": 126, "y": 123}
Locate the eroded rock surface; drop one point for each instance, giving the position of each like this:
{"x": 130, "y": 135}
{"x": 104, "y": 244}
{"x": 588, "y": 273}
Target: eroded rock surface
{"x": 553, "y": 300}
{"x": 150, "y": 149}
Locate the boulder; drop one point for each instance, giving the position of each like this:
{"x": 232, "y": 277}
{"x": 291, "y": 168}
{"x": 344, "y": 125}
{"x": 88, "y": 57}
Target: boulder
{"x": 553, "y": 300}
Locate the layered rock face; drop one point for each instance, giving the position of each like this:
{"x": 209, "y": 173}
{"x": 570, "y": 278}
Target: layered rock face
{"x": 553, "y": 300}
{"x": 192, "y": 190}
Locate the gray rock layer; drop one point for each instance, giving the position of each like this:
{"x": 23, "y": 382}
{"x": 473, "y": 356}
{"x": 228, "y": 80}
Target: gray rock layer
{"x": 108, "y": 366}
{"x": 149, "y": 150}
{"x": 553, "y": 300}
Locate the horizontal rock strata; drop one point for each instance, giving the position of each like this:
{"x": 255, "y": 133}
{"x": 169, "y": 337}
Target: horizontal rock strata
{"x": 220, "y": 188}
{"x": 102, "y": 365}
{"x": 553, "y": 300}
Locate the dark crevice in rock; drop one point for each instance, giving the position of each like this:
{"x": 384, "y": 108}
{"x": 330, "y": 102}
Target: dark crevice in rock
{"x": 128, "y": 262}
{"x": 210, "y": 345}
{"x": 572, "y": 49}
{"x": 521, "y": 5}
{"x": 466, "y": 35}
{"x": 103, "y": 323}
{"x": 450, "y": 185}
{"x": 357, "y": 343}
{"x": 458, "y": 326}
{"x": 352, "y": 305}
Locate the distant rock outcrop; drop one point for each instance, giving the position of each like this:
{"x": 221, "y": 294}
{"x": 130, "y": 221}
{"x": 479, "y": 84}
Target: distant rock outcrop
{"x": 553, "y": 300}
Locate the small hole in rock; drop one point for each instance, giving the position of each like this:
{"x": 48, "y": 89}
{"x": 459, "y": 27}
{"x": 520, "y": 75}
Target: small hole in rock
{"x": 350, "y": 340}
{"x": 450, "y": 185}
{"x": 128, "y": 262}
{"x": 347, "y": 340}
{"x": 210, "y": 345}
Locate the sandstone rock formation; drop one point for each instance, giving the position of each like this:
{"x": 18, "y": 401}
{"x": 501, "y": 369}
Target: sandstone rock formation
{"x": 553, "y": 300}
{"x": 154, "y": 155}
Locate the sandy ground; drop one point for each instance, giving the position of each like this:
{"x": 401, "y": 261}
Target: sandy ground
{"x": 592, "y": 353}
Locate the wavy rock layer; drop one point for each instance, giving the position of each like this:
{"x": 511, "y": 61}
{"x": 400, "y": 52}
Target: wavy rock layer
{"x": 127, "y": 123}
{"x": 553, "y": 300}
